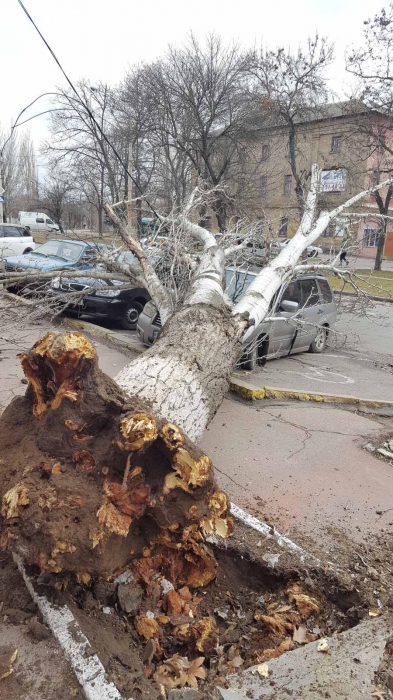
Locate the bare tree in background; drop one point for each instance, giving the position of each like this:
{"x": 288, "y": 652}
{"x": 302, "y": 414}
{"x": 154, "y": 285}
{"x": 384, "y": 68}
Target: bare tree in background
{"x": 78, "y": 142}
{"x": 19, "y": 172}
{"x": 371, "y": 63}
{"x": 200, "y": 111}
{"x": 57, "y": 191}
{"x": 290, "y": 88}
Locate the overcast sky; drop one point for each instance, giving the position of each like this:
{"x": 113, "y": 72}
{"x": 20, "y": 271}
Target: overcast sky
{"x": 99, "y": 39}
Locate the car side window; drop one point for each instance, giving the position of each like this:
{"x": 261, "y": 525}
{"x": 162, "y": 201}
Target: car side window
{"x": 11, "y": 232}
{"x": 24, "y": 232}
{"x": 326, "y": 292}
{"x": 40, "y": 221}
{"x": 310, "y": 293}
{"x": 292, "y": 292}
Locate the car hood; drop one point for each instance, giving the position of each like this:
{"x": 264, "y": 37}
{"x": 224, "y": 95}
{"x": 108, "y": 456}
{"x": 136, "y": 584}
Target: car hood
{"x": 40, "y": 262}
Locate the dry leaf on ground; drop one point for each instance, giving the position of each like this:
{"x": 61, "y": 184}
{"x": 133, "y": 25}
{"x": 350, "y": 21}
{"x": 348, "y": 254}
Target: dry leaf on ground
{"x": 263, "y": 670}
{"x": 6, "y": 662}
{"x": 323, "y": 645}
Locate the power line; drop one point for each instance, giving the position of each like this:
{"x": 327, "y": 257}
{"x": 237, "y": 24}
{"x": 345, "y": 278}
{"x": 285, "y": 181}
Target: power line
{"x": 89, "y": 112}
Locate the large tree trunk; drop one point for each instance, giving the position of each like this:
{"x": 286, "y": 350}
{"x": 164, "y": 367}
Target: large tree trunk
{"x": 185, "y": 374}
{"x": 93, "y": 479}
{"x": 381, "y": 246}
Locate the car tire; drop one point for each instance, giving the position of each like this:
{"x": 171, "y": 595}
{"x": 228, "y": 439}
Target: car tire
{"x": 319, "y": 343}
{"x": 131, "y": 315}
{"x": 249, "y": 360}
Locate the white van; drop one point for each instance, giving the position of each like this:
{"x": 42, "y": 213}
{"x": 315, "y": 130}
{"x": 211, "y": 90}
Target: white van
{"x": 37, "y": 221}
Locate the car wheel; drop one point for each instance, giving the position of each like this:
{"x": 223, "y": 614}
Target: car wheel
{"x": 131, "y": 315}
{"x": 28, "y": 250}
{"x": 249, "y": 360}
{"x": 319, "y": 342}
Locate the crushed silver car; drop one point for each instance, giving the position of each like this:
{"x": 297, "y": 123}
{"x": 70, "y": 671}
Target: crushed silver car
{"x": 303, "y": 311}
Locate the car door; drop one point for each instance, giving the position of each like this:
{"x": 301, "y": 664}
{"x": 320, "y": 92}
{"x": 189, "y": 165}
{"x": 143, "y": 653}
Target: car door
{"x": 13, "y": 241}
{"x": 310, "y": 315}
{"x": 281, "y": 331}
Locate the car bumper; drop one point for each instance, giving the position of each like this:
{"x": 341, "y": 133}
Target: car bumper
{"x": 93, "y": 306}
{"x": 147, "y": 331}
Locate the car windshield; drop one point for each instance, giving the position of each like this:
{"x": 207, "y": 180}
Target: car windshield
{"x": 60, "y": 249}
{"x": 237, "y": 281}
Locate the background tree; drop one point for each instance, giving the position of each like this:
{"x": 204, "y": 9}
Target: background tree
{"x": 57, "y": 191}
{"x": 289, "y": 88}
{"x": 371, "y": 64}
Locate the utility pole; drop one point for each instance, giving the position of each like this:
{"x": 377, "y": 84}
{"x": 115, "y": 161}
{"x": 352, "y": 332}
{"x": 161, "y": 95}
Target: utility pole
{"x": 129, "y": 190}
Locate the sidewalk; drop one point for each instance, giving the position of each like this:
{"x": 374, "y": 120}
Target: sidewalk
{"x": 332, "y": 372}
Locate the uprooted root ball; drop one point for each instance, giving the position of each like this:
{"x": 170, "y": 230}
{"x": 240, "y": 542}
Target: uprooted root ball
{"x": 91, "y": 480}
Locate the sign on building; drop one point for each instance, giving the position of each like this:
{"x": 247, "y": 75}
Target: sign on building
{"x": 333, "y": 180}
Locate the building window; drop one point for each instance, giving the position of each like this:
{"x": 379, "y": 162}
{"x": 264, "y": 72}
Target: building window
{"x": 336, "y": 144}
{"x": 265, "y": 151}
{"x": 287, "y": 184}
{"x": 283, "y": 226}
{"x": 263, "y": 185}
{"x": 381, "y": 143}
{"x": 371, "y": 237}
{"x": 375, "y": 178}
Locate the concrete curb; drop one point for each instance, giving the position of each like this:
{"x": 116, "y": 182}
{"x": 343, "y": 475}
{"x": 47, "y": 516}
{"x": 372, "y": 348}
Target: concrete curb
{"x": 85, "y": 664}
{"x": 254, "y": 393}
{"x": 389, "y": 300}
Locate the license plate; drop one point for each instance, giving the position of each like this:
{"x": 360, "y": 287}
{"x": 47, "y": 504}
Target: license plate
{"x": 155, "y": 334}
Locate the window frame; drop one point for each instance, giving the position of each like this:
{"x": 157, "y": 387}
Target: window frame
{"x": 336, "y": 143}
{"x": 287, "y": 185}
{"x": 265, "y": 152}
{"x": 370, "y": 237}
{"x": 283, "y": 230}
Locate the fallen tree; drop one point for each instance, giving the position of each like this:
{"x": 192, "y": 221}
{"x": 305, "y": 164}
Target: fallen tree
{"x": 98, "y": 475}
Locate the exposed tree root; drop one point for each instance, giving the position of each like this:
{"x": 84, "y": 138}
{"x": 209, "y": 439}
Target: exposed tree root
{"x": 92, "y": 482}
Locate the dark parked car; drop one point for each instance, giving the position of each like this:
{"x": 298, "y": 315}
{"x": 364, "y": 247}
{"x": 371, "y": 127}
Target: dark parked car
{"x": 104, "y": 298}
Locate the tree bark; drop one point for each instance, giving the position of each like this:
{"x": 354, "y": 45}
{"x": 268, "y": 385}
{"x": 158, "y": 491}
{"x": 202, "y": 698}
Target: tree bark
{"x": 186, "y": 373}
{"x": 381, "y": 246}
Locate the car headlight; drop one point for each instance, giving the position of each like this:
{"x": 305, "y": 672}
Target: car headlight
{"x": 107, "y": 292}
{"x": 150, "y": 310}
{"x": 55, "y": 284}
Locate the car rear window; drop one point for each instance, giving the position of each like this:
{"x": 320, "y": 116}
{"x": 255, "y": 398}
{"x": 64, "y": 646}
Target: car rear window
{"x": 326, "y": 292}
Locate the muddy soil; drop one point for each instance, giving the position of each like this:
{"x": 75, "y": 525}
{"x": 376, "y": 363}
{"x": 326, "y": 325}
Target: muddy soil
{"x": 257, "y": 612}
{"x": 40, "y": 671}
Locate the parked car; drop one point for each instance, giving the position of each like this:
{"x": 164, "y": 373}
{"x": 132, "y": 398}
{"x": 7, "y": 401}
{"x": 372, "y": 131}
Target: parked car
{"x": 55, "y": 254}
{"x": 313, "y": 251}
{"x": 308, "y": 299}
{"x": 37, "y": 221}
{"x": 15, "y": 240}
{"x": 102, "y": 298}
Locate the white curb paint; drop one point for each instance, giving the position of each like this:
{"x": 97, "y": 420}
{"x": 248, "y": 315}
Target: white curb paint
{"x": 270, "y": 531}
{"x": 64, "y": 627}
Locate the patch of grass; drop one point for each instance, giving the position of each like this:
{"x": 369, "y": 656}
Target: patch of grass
{"x": 378, "y": 284}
